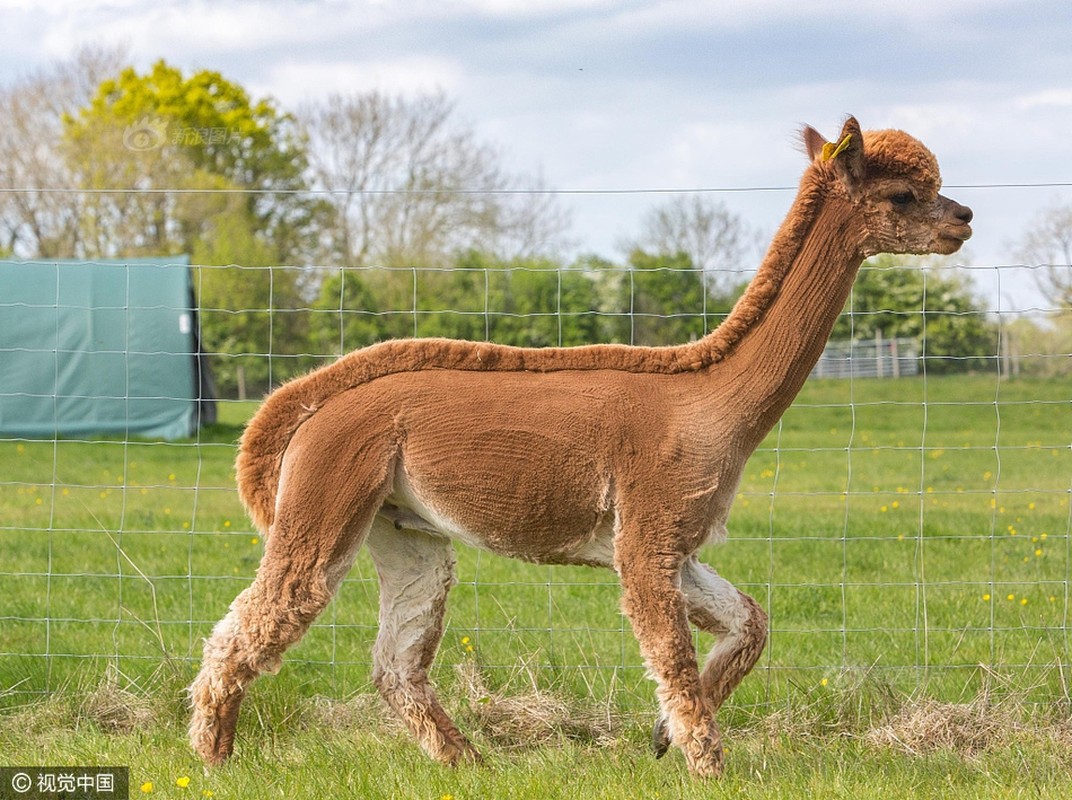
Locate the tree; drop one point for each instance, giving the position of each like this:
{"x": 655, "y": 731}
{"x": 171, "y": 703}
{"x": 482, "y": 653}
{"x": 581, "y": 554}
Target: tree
{"x": 714, "y": 239}
{"x": 252, "y": 312}
{"x": 39, "y": 214}
{"x": 531, "y": 303}
{"x": 1038, "y": 346}
{"x": 896, "y": 297}
{"x": 1047, "y": 244}
{"x": 192, "y": 164}
{"x": 534, "y": 303}
{"x": 663, "y": 301}
{"x": 345, "y": 314}
{"x": 412, "y": 186}
{"x": 166, "y": 143}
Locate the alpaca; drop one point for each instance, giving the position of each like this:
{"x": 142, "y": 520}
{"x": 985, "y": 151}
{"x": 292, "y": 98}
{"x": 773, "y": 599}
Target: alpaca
{"x": 605, "y": 455}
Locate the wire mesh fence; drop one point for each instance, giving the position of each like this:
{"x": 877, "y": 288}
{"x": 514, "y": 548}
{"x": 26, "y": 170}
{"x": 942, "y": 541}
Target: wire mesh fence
{"x": 913, "y": 527}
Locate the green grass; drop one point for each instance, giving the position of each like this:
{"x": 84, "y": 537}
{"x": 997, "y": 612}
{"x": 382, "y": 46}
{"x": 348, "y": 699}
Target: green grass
{"x": 884, "y": 524}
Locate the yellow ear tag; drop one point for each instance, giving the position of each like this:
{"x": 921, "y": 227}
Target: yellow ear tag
{"x": 832, "y": 151}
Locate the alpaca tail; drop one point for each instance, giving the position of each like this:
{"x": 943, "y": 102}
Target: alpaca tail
{"x": 260, "y": 452}
{"x": 260, "y": 455}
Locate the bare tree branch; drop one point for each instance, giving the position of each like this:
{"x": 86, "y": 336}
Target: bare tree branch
{"x": 714, "y": 238}
{"x": 1048, "y": 245}
{"x": 413, "y": 186}
{"x": 35, "y": 219}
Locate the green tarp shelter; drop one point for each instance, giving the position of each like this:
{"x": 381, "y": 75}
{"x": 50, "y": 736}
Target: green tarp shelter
{"x": 101, "y": 347}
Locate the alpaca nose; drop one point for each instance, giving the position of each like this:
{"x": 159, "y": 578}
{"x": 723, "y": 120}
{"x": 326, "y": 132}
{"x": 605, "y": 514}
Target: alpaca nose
{"x": 963, "y": 213}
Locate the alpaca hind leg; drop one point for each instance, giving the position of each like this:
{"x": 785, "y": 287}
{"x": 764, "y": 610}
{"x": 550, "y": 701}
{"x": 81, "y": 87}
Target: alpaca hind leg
{"x": 717, "y": 607}
{"x": 296, "y": 579}
{"x": 657, "y": 610}
{"x": 416, "y": 571}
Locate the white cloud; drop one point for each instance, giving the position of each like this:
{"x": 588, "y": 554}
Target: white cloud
{"x": 603, "y": 94}
{"x": 295, "y": 81}
{"x": 1049, "y": 98}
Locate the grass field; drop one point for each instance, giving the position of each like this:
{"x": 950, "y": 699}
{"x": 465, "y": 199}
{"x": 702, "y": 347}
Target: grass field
{"x": 910, "y": 538}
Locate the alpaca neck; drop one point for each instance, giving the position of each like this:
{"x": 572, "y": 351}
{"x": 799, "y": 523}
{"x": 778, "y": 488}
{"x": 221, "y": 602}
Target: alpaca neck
{"x": 789, "y": 310}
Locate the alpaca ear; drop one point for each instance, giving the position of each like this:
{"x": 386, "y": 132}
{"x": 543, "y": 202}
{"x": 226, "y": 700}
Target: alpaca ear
{"x": 813, "y": 142}
{"x": 848, "y": 156}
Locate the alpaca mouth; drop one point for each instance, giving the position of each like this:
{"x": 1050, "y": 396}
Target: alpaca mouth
{"x": 951, "y": 239}
{"x": 960, "y": 233}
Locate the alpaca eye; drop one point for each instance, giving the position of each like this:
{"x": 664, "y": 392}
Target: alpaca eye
{"x": 902, "y": 198}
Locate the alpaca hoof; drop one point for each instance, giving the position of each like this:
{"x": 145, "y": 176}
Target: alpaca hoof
{"x": 216, "y": 750}
{"x": 660, "y": 737}
{"x": 709, "y": 765}
{"x": 212, "y": 734}
{"x": 460, "y": 754}
{"x": 470, "y": 757}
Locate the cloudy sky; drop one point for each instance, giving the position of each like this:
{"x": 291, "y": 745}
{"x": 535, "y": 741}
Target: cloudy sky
{"x": 653, "y": 94}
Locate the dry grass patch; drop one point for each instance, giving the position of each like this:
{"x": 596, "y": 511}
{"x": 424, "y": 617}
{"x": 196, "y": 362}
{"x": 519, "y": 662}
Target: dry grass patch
{"x": 534, "y": 717}
{"x": 114, "y": 709}
{"x": 509, "y": 719}
{"x": 363, "y": 712}
{"x": 929, "y": 726}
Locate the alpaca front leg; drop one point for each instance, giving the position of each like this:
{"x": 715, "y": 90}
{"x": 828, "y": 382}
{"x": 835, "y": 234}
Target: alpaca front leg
{"x": 717, "y": 607}
{"x": 656, "y": 608}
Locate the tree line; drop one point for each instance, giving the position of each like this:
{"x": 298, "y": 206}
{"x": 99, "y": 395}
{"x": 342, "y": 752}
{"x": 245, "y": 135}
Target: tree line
{"x": 369, "y": 216}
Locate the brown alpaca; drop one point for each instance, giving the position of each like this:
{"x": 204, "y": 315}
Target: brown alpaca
{"x": 608, "y": 455}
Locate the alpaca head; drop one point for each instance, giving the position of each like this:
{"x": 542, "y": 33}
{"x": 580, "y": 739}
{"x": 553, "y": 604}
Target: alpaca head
{"x": 891, "y": 182}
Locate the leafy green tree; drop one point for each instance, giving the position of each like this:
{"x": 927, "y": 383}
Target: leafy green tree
{"x": 346, "y": 313}
{"x": 533, "y": 302}
{"x": 662, "y": 300}
{"x": 252, "y": 311}
{"x": 895, "y": 297}
{"x": 162, "y": 130}
{"x": 197, "y": 166}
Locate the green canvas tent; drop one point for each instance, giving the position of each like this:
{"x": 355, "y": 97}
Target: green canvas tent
{"x": 101, "y": 347}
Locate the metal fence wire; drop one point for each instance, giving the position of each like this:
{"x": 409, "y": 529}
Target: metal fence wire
{"x": 908, "y": 519}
